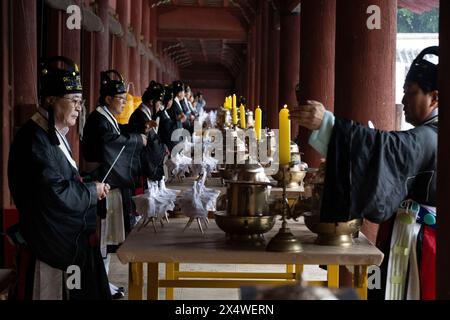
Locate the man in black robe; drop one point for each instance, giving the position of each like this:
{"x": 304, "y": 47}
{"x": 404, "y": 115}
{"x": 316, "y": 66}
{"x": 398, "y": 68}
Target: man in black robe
{"x": 57, "y": 210}
{"x": 370, "y": 172}
{"x": 144, "y": 120}
{"x": 107, "y": 145}
{"x": 178, "y": 112}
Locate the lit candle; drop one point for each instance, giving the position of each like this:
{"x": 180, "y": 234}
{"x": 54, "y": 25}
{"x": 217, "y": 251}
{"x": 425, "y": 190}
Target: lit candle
{"x": 284, "y": 141}
{"x": 242, "y": 115}
{"x": 258, "y": 123}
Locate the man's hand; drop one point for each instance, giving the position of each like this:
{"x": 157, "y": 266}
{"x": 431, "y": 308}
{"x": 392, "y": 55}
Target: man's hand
{"x": 102, "y": 190}
{"x": 144, "y": 139}
{"x": 309, "y": 115}
{"x": 149, "y": 125}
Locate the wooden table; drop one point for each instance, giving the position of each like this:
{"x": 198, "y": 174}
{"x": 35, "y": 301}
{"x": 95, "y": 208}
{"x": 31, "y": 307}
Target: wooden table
{"x": 171, "y": 247}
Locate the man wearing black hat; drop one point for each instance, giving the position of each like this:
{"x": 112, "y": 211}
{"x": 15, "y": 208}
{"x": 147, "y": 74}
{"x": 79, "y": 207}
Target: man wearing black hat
{"x": 177, "y": 112}
{"x": 144, "y": 120}
{"x": 114, "y": 155}
{"x": 57, "y": 210}
{"x": 370, "y": 174}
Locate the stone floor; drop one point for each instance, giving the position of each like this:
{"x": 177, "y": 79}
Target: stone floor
{"x": 118, "y": 274}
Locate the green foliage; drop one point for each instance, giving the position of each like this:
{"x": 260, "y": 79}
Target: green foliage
{"x": 410, "y": 22}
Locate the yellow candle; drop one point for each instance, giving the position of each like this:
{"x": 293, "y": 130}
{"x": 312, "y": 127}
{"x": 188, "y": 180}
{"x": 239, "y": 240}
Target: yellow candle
{"x": 284, "y": 137}
{"x": 225, "y": 104}
{"x": 235, "y": 118}
{"x": 242, "y": 115}
{"x": 234, "y": 101}
{"x": 258, "y": 123}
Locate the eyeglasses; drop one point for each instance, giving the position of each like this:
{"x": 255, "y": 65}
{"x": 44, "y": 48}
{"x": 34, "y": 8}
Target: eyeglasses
{"x": 121, "y": 99}
{"x": 76, "y": 102}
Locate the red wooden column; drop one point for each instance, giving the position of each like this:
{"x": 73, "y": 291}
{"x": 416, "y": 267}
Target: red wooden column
{"x": 365, "y": 68}
{"x": 134, "y": 58}
{"x": 153, "y": 28}
{"x": 145, "y": 68}
{"x": 365, "y": 63}
{"x": 264, "y": 55}
{"x": 289, "y": 61}
{"x": 120, "y": 62}
{"x": 24, "y": 59}
{"x": 443, "y": 226}
{"x": 258, "y": 60}
{"x": 5, "y": 90}
{"x": 273, "y": 76}
{"x": 101, "y": 45}
{"x": 317, "y": 58}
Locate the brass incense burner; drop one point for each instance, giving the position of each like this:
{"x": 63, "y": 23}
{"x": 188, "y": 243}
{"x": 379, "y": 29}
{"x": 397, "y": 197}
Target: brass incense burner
{"x": 328, "y": 233}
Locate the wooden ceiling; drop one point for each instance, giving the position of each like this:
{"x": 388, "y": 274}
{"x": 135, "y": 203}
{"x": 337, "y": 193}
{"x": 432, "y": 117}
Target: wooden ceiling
{"x": 205, "y": 32}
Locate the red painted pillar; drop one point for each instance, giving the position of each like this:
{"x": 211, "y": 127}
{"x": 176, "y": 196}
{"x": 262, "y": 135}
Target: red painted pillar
{"x": 5, "y": 91}
{"x": 365, "y": 63}
{"x": 135, "y": 59}
{"x": 289, "y": 61}
{"x": 153, "y": 28}
{"x": 317, "y": 60}
{"x": 264, "y": 56}
{"x": 101, "y": 45}
{"x": 443, "y": 226}
{"x": 273, "y": 77}
{"x": 25, "y": 57}
{"x": 365, "y": 68}
{"x": 258, "y": 59}
{"x": 248, "y": 65}
{"x": 120, "y": 62}
{"x": 145, "y": 68}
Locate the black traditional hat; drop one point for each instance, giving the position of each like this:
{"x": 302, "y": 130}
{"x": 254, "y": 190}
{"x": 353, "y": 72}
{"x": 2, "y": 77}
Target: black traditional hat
{"x": 109, "y": 86}
{"x": 55, "y": 81}
{"x": 177, "y": 86}
{"x": 242, "y": 100}
{"x": 168, "y": 94}
{"x": 423, "y": 71}
{"x": 154, "y": 92}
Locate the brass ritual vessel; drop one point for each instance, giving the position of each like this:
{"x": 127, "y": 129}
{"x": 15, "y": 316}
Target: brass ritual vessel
{"x": 247, "y": 216}
{"x": 296, "y": 172}
{"x": 328, "y": 233}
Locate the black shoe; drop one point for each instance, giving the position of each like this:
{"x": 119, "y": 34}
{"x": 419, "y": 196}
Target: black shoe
{"x": 118, "y": 295}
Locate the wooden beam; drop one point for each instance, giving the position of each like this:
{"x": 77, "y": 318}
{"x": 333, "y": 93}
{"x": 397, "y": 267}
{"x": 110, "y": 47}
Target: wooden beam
{"x": 221, "y": 23}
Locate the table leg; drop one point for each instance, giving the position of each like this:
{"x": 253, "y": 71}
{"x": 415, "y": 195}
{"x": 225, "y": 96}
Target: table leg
{"x": 152, "y": 281}
{"x": 298, "y": 272}
{"x": 135, "y": 280}
{"x": 333, "y": 276}
{"x": 360, "y": 281}
{"x": 170, "y": 275}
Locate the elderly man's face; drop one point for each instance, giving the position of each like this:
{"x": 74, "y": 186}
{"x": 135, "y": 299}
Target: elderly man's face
{"x": 117, "y": 103}
{"x": 67, "y": 109}
{"x": 417, "y": 104}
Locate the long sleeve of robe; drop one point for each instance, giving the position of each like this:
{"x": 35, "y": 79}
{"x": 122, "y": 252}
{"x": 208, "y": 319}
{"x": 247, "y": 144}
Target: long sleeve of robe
{"x": 369, "y": 172}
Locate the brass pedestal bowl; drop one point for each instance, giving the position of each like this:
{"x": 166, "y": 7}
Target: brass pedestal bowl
{"x": 244, "y": 231}
{"x": 332, "y": 233}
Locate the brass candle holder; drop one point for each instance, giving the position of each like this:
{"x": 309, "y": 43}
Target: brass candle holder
{"x": 284, "y": 240}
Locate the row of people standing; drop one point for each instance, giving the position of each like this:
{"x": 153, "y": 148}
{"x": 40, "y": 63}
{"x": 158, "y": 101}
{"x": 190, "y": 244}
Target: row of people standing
{"x": 66, "y": 217}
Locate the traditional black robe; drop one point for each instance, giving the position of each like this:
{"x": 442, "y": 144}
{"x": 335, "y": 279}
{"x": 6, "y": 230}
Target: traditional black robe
{"x": 175, "y": 112}
{"x": 369, "y": 172}
{"x": 152, "y": 155}
{"x": 57, "y": 211}
{"x": 102, "y": 142}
